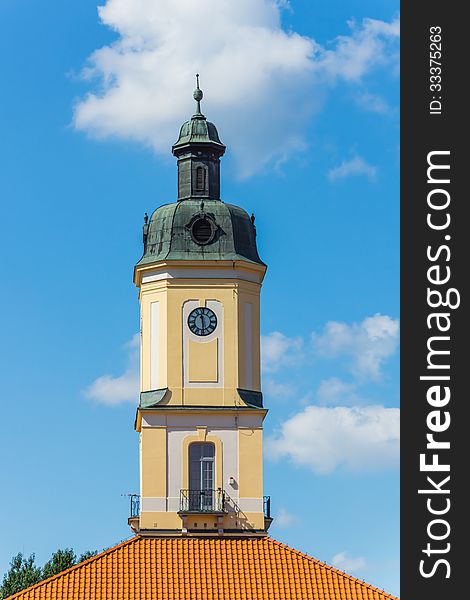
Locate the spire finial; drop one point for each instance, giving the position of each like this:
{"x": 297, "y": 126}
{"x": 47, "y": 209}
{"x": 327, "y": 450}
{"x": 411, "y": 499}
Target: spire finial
{"x": 197, "y": 95}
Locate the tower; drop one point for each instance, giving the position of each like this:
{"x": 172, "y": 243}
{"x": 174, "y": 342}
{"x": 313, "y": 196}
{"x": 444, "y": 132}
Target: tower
{"x": 200, "y": 415}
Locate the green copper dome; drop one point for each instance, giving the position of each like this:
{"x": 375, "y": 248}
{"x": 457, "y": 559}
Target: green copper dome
{"x": 199, "y": 226}
{"x": 195, "y": 230}
{"x": 200, "y": 131}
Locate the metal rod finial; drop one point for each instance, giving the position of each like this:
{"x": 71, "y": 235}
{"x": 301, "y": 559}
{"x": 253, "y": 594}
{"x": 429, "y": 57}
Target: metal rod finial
{"x": 198, "y": 95}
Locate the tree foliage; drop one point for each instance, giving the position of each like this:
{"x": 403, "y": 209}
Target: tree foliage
{"x": 86, "y": 555}
{"x": 59, "y": 561}
{"x": 23, "y": 572}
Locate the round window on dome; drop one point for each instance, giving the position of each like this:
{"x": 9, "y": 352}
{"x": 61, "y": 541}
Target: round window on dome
{"x": 202, "y": 231}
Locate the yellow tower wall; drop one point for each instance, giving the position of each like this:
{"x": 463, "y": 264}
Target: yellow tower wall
{"x": 203, "y": 362}
{"x": 201, "y": 374}
{"x": 154, "y": 461}
{"x": 250, "y": 467}
{"x": 165, "y": 339}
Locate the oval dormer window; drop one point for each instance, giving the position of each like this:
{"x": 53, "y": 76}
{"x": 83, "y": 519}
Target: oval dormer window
{"x": 202, "y": 231}
{"x": 200, "y": 179}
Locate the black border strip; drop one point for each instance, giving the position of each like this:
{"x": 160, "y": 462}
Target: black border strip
{"x": 433, "y": 568}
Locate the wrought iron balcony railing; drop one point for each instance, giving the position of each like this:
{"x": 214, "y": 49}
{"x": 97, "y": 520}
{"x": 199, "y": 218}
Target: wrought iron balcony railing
{"x": 202, "y": 501}
{"x": 267, "y": 506}
{"x": 135, "y": 505}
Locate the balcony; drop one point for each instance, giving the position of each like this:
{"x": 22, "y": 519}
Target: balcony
{"x": 135, "y": 505}
{"x": 202, "y": 501}
{"x": 196, "y": 502}
{"x": 267, "y": 507}
{"x": 133, "y": 520}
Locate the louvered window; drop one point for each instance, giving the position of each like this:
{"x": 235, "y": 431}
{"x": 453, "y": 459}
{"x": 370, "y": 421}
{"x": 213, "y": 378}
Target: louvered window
{"x": 200, "y": 179}
{"x": 202, "y": 231}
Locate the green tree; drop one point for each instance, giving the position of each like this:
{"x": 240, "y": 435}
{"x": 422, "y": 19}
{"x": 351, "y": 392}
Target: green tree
{"x": 86, "y": 555}
{"x": 59, "y": 561}
{"x": 21, "y": 574}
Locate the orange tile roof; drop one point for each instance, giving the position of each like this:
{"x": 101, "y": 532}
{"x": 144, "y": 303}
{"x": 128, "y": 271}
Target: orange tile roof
{"x": 202, "y": 569}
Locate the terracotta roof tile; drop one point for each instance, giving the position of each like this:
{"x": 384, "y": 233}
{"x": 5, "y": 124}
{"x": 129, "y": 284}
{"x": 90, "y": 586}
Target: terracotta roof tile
{"x": 202, "y": 569}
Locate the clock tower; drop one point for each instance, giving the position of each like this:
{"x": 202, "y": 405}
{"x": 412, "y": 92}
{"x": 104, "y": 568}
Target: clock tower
{"x": 200, "y": 415}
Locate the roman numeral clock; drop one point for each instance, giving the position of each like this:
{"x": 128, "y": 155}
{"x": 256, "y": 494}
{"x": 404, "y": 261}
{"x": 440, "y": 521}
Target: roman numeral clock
{"x": 202, "y": 321}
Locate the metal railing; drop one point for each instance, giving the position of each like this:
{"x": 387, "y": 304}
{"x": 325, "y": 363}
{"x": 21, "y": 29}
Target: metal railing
{"x": 267, "y": 506}
{"x": 202, "y": 501}
{"x": 199, "y": 501}
{"x": 135, "y": 505}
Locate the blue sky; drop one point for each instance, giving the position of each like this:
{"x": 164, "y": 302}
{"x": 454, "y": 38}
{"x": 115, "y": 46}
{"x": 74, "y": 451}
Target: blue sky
{"x": 305, "y": 96}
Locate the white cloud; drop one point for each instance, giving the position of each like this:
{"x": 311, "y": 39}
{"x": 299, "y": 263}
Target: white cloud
{"x": 275, "y": 389}
{"x": 337, "y": 392}
{"x": 323, "y": 438}
{"x": 373, "y": 103}
{"x": 285, "y": 519}
{"x": 262, "y": 83}
{"x": 348, "y": 563}
{"x": 369, "y": 45}
{"x": 279, "y": 350}
{"x": 124, "y": 388}
{"x": 368, "y": 343}
{"x": 355, "y": 166}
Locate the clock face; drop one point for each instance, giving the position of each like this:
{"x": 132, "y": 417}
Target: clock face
{"x": 202, "y": 321}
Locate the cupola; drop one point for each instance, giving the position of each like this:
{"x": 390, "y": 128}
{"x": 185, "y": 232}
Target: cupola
{"x": 198, "y": 151}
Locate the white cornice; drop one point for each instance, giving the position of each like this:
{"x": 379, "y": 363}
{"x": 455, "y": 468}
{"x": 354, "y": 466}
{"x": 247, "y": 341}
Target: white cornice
{"x": 245, "y": 271}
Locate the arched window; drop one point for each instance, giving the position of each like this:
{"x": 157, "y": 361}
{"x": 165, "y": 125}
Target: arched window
{"x": 201, "y": 476}
{"x": 200, "y": 179}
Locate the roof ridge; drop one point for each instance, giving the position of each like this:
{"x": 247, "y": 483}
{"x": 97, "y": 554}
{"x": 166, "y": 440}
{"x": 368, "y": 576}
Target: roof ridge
{"x": 77, "y": 566}
{"x": 331, "y": 568}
